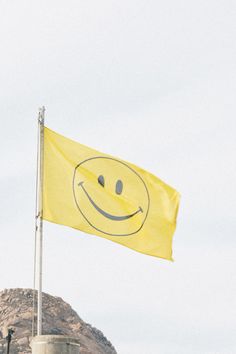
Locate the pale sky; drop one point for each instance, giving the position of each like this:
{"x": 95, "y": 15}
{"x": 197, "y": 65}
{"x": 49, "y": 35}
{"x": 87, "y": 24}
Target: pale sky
{"x": 152, "y": 82}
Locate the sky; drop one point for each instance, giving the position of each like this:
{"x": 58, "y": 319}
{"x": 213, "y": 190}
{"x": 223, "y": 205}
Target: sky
{"x": 151, "y": 82}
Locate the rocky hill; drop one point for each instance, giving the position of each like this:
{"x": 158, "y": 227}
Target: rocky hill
{"x": 58, "y": 318}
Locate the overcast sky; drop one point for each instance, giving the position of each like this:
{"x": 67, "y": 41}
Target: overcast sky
{"x": 154, "y": 83}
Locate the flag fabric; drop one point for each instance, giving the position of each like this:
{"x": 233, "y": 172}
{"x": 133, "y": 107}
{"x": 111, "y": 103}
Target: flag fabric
{"x": 108, "y": 197}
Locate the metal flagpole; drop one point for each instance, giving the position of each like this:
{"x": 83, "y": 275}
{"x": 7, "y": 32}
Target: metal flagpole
{"x": 39, "y": 217}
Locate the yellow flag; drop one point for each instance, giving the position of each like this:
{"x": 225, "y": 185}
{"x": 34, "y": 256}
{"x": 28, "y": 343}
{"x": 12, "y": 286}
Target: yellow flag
{"x": 108, "y": 197}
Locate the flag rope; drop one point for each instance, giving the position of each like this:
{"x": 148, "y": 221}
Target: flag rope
{"x": 36, "y": 227}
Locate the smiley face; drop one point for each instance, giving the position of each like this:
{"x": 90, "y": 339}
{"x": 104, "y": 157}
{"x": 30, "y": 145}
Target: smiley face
{"x": 111, "y": 196}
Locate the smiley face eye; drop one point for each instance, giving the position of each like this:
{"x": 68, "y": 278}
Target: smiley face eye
{"x": 119, "y": 187}
{"x": 101, "y": 180}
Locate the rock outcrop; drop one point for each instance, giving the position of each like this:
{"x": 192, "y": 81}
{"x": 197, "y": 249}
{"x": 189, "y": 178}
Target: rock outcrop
{"x": 58, "y": 318}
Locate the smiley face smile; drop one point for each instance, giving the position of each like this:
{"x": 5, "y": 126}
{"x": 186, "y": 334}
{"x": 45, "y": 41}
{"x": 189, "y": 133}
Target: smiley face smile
{"x": 104, "y": 213}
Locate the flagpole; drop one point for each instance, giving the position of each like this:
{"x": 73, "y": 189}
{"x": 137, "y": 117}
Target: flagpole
{"x": 39, "y": 217}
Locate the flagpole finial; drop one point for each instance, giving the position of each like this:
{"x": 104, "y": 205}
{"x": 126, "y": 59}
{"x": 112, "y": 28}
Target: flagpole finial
{"x": 41, "y": 115}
